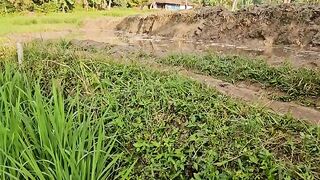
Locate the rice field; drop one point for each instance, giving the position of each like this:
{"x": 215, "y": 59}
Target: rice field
{"x": 73, "y": 114}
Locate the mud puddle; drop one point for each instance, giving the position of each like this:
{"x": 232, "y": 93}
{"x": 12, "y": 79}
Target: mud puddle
{"x": 104, "y": 30}
{"x": 161, "y": 46}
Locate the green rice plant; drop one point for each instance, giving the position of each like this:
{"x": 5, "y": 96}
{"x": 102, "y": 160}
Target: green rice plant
{"x": 42, "y": 138}
{"x": 295, "y": 82}
{"x": 74, "y": 114}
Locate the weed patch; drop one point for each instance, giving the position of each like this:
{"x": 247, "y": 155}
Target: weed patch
{"x": 296, "y": 83}
{"x": 66, "y": 114}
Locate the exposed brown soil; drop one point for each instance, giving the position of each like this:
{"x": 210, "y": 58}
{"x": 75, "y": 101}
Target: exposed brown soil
{"x": 287, "y": 24}
{"x": 252, "y": 94}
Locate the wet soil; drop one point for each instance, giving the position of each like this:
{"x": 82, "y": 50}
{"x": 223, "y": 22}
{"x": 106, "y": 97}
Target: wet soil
{"x": 178, "y": 32}
{"x": 287, "y": 24}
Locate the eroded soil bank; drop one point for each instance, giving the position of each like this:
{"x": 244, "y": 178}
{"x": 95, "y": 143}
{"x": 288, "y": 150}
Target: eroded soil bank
{"x": 287, "y": 24}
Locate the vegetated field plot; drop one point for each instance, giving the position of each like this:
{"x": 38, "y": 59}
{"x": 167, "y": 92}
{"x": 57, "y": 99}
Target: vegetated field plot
{"x": 294, "y": 83}
{"x": 66, "y": 113}
{"x": 34, "y": 22}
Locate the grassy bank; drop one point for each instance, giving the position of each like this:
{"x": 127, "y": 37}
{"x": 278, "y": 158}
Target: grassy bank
{"x": 69, "y": 114}
{"x": 295, "y": 83}
{"x": 31, "y": 22}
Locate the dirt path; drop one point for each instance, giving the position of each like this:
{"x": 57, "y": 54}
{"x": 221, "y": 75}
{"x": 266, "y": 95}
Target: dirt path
{"x": 255, "y": 97}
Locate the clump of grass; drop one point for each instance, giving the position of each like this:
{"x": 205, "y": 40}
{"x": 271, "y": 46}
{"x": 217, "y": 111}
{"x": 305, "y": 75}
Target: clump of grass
{"x": 294, "y": 82}
{"x": 69, "y": 114}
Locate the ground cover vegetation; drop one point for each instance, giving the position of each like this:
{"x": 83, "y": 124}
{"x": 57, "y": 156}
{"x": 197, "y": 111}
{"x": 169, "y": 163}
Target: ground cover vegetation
{"x": 296, "y": 83}
{"x": 18, "y": 23}
{"x": 73, "y": 114}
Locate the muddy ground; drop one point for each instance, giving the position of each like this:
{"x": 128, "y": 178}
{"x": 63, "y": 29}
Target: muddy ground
{"x": 278, "y": 34}
{"x": 287, "y": 24}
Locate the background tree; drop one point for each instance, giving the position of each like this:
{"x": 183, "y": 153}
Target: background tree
{"x": 9, "y": 6}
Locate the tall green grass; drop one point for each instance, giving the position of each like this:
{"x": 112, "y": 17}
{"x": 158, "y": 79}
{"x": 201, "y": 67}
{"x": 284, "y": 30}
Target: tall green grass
{"x": 71, "y": 114}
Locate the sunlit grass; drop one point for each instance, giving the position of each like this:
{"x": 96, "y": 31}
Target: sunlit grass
{"x": 30, "y": 22}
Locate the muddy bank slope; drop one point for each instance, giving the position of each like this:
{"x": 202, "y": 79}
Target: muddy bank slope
{"x": 287, "y": 24}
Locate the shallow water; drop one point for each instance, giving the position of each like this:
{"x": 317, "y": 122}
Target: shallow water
{"x": 159, "y": 46}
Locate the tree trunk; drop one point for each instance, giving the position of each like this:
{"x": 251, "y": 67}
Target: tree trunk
{"x": 234, "y": 5}
{"x": 85, "y": 4}
{"x": 109, "y": 5}
{"x": 63, "y": 8}
{"x": 104, "y": 4}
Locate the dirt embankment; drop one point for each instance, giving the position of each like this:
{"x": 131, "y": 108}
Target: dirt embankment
{"x": 287, "y": 24}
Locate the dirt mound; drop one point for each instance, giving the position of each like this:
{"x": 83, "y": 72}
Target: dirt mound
{"x": 287, "y": 24}
{"x": 179, "y": 24}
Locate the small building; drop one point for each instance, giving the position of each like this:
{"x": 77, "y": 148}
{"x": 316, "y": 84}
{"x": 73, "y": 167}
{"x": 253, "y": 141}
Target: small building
{"x": 171, "y": 4}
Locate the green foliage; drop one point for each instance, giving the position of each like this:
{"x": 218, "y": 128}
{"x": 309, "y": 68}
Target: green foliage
{"x": 121, "y": 3}
{"x": 6, "y": 7}
{"x": 226, "y": 3}
{"x": 69, "y": 114}
{"x": 49, "y": 7}
{"x": 294, "y": 82}
{"x": 134, "y": 3}
{"x": 10, "y": 6}
{"x": 246, "y": 3}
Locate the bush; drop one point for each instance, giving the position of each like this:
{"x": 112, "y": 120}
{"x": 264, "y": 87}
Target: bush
{"x": 47, "y": 7}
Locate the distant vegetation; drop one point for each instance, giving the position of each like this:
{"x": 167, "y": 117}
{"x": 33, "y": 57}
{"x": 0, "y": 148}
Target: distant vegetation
{"x": 9, "y": 6}
{"x": 17, "y": 23}
{"x": 245, "y": 3}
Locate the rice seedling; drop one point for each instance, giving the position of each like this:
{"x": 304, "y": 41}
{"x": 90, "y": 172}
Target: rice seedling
{"x": 67, "y": 114}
